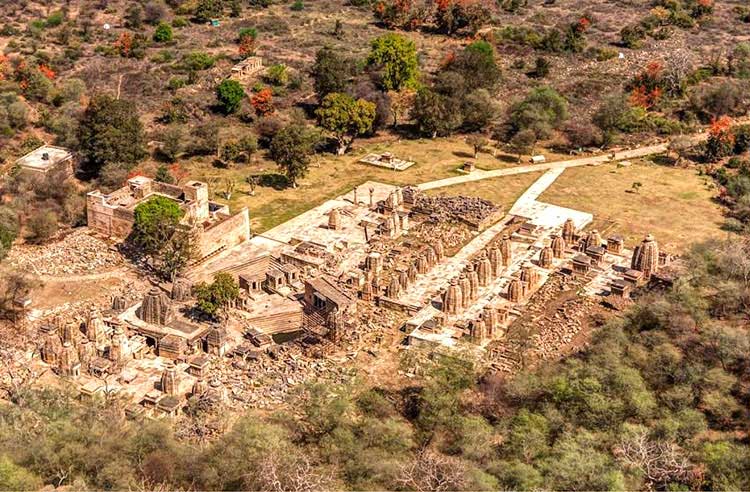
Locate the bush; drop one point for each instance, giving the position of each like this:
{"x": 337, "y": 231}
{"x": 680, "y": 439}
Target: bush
{"x": 163, "y": 33}
{"x": 42, "y": 225}
{"x": 297, "y": 5}
{"x": 230, "y": 94}
{"x": 277, "y": 75}
{"x": 632, "y": 36}
{"x": 198, "y": 60}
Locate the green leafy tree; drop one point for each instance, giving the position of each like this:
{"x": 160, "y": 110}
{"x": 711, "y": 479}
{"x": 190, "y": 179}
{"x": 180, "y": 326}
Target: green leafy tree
{"x": 395, "y": 58}
{"x": 291, "y": 149}
{"x": 14, "y": 477}
{"x": 155, "y": 221}
{"x": 437, "y": 114}
{"x": 157, "y": 231}
{"x": 163, "y": 175}
{"x": 217, "y": 296}
{"x": 346, "y": 118}
{"x": 110, "y": 132}
{"x": 208, "y": 9}
{"x": 8, "y": 229}
{"x": 163, "y": 33}
{"x": 230, "y": 95}
{"x": 542, "y": 110}
{"x": 477, "y": 66}
{"x": 278, "y": 75}
{"x": 331, "y": 72}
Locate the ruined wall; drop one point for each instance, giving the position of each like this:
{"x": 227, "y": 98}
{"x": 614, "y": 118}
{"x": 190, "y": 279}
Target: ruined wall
{"x": 227, "y": 233}
{"x": 103, "y": 218}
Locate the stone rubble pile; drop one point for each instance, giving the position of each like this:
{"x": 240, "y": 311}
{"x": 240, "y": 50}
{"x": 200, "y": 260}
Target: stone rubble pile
{"x": 268, "y": 380}
{"x": 77, "y": 253}
{"x": 549, "y": 333}
{"x": 472, "y": 210}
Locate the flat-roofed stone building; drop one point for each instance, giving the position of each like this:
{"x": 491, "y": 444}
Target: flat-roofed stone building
{"x": 214, "y": 226}
{"x": 47, "y": 159}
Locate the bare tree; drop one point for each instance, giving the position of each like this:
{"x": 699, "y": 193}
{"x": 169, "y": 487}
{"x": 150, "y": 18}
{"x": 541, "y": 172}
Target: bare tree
{"x": 659, "y": 461}
{"x": 432, "y": 471}
{"x": 297, "y": 475}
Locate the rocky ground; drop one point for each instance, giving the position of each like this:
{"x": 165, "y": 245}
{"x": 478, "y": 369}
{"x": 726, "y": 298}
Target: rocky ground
{"x": 79, "y": 252}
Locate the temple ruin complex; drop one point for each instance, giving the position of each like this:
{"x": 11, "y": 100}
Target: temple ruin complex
{"x": 444, "y": 272}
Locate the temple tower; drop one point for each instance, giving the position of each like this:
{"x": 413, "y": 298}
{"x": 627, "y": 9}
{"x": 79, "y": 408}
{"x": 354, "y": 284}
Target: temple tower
{"x": 169, "y": 380}
{"x": 646, "y": 256}
{"x": 569, "y": 231}
{"x": 506, "y": 251}
{"x": 452, "y": 298}
{"x": 545, "y": 257}
{"x": 156, "y": 307}
{"x": 558, "y": 246}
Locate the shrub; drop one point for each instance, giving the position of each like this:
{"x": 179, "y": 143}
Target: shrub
{"x": 163, "y": 33}
{"x": 278, "y": 75}
{"x": 230, "y": 94}
{"x": 42, "y": 225}
{"x": 198, "y": 60}
{"x": 297, "y": 5}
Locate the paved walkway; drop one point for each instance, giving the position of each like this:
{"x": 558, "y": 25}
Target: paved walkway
{"x": 584, "y": 161}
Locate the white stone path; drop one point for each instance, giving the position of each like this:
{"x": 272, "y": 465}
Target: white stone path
{"x": 531, "y": 168}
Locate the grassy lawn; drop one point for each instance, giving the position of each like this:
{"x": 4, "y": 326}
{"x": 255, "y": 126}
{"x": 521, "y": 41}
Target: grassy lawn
{"x": 673, "y": 204}
{"x": 501, "y": 191}
{"x": 331, "y": 176}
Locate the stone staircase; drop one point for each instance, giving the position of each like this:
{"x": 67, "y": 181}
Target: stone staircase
{"x": 286, "y": 321}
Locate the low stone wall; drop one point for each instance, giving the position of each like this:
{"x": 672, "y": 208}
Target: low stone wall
{"x": 228, "y": 233}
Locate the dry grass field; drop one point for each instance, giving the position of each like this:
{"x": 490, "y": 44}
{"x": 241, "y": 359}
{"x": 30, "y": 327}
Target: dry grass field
{"x": 501, "y": 191}
{"x": 330, "y": 176}
{"x": 674, "y": 204}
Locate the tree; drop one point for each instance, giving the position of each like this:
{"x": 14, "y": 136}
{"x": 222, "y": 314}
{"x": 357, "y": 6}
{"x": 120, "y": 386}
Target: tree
{"x": 331, "y": 72}
{"x": 110, "y": 132}
{"x": 172, "y": 144}
{"x": 163, "y": 175}
{"x": 277, "y": 75}
{"x": 8, "y": 229}
{"x": 523, "y": 142}
{"x": 291, "y": 149}
{"x": 262, "y": 102}
{"x": 614, "y": 115}
{"x": 41, "y": 226}
{"x": 542, "y": 110}
{"x": 346, "y": 118}
{"x": 155, "y": 222}
{"x": 720, "y": 141}
{"x": 208, "y": 9}
{"x": 477, "y": 65}
{"x": 436, "y": 113}
{"x": 163, "y": 33}
{"x": 395, "y": 57}
{"x": 247, "y": 39}
{"x": 452, "y": 15}
{"x": 230, "y": 94}
{"x": 14, "y": 477}
{"x": 217, "y": 296}
{"x": 477, "y": 142}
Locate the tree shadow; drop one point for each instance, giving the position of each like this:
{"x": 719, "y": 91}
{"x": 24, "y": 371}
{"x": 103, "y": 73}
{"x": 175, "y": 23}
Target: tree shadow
{"x": 276, "y": 181}
{"x": 511, "y": 159}
{"x": 463, "y": 155}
